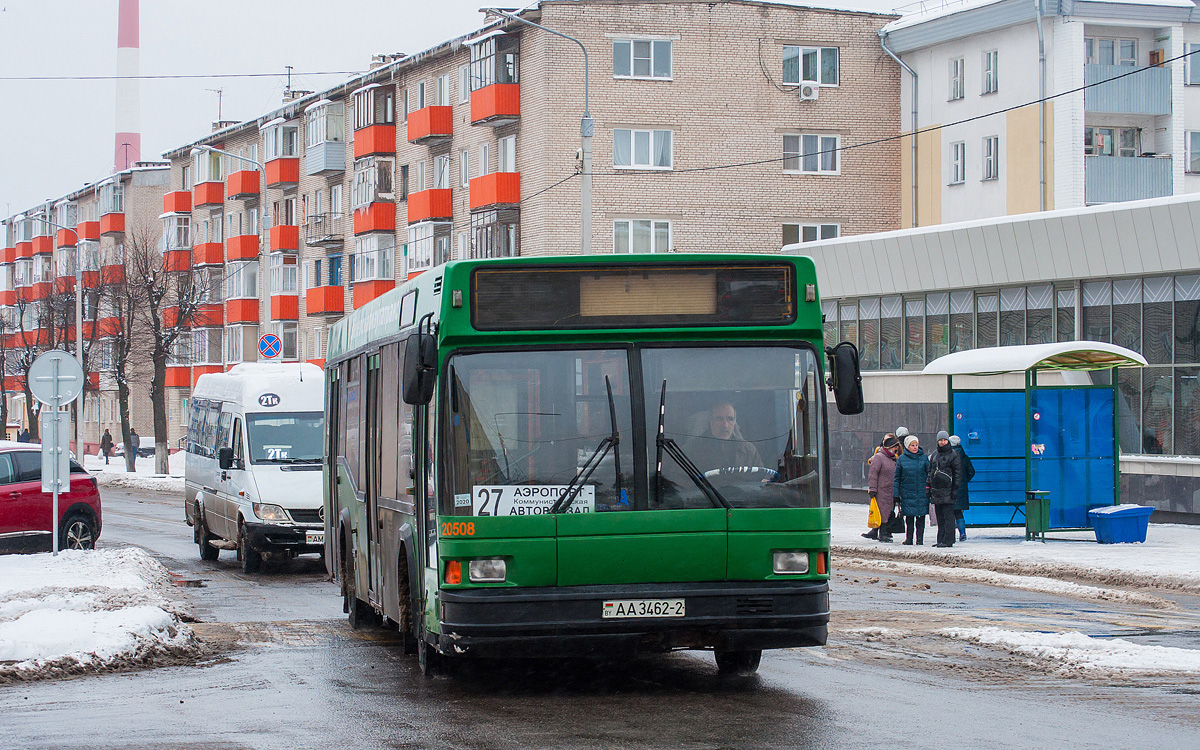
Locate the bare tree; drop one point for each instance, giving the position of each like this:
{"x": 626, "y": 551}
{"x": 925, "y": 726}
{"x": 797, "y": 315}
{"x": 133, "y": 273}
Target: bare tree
{"x": 127, "y": 338}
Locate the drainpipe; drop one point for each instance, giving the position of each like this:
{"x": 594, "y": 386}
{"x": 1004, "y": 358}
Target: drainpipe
{"x": 913, "y": 73}
{"x": 1041, "y": 109}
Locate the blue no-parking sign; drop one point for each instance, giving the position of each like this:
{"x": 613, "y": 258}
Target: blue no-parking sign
{"x": 269, "y": 346}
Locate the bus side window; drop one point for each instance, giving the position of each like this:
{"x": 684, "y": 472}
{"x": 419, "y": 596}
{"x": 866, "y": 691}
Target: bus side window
{"x": 236, "y": 444}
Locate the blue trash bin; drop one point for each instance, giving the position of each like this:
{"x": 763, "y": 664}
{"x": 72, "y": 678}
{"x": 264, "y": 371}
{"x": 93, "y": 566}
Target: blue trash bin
{"x": 1120, "y": 523}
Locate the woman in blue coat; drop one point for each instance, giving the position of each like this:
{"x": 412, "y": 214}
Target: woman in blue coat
{"x": 911, "y": 486}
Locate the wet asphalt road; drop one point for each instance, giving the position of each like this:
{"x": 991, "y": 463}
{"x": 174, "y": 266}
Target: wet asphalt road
{"x": 286, "y": 671}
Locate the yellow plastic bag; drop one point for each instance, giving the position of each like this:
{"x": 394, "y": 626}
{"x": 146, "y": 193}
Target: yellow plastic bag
{"x": 873, "y": 518}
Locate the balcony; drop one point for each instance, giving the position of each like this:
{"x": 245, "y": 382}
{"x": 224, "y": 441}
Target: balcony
{"x": 430, "y": 124}
{"x": 64, "y": 285}
{"x": 178, "y": 377}
{"x": 376, "y": 217}
{"x": 9, "y": 297}
{"x": 241, "y": 311}
{"x": 285, "y": 237}
{"x": 65, "y": 238}
{"x": 88, "y": 230}
{"x": 285, "y": 306}
{"x": 24, "y": 249}
{"x": 209, "y": 315}
{"x": 283, "y": 171}
{"x": 208, "y": 194}
{"x": 40, "y": 290}
{"x": 242, "y": 247}
{"x": 328, "y": 157}
{"x": 111, "y": 224}
{"x": 177, "y": 260}
{"x": 374, "y": 139}
{"x": 497, "y": 188}
{"x": 8, "y": 255}
{"x": 243, "y": 184}
{"x": 113, "y": 274}
{"x": 496, "y": 105}
{"x": 324, "y": 230}
{"x": 208, "y": 254}
{"x": 91, "y": 279}
{"x": 178, "y": 202}
{"x": 1109, "y": 179}
{"x": 1146, "y": 93}
{"x": 365, "y": 291}
{"x": 429, "y": 204}
{"x": 325, "y": 299}
{"x": 43, "y": 245}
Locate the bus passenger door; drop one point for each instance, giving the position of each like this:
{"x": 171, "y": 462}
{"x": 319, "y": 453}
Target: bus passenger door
{"x": 373, "y": 452}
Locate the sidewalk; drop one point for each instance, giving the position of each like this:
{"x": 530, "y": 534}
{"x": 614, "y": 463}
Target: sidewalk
{"x": 1169, "y": 559}
{"x": 113, "y": 474}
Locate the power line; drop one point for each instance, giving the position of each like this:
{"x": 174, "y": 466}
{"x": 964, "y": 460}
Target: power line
{"x": 178, "y": 76}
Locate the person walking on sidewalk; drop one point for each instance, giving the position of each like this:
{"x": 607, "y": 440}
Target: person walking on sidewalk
{"x": 910, "y": 484}
{"x": 945, "y": 477}
{"x": 963, "y": 503}
{"x": 135, "y": 441}
{"x": 881, "y": 477}
{"x": 874, "y": 533}
{"x": 106, "y": 444}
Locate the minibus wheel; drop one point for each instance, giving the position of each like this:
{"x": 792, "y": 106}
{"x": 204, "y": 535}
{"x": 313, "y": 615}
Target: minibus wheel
{"x": 250, "y": 557}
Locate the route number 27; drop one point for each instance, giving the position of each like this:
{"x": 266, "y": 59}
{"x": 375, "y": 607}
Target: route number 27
{"x": 486, "y": 496}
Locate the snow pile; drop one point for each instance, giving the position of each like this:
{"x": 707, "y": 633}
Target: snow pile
{"x": 1076, "y": 652}
{"x": 85, "y": 611}
{"x": 143, "y": 477}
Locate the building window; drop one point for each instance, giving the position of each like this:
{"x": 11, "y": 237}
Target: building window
{"x": 443, "y": 91}
{"x": 372, "y": 181}
{"x": 323, "y": 124}
{"x": 811, "y": 154}
{"x": 1192, "y": 141}
{"x": 641, "y": 236}
{"x": 812, "y": 64}
{"x": 428, "y": 245}
{"x": 373, "y": 255}
{"x": 1110, "y": 51}
{"x": 463, "y": 172}
{"x": 335, "y": 270}
{"x": 208, "y": 168}
{"x": 507, "y": 153}
{"x": 485, "y": 159}
{"x": 401, "y": 189}
{"x": 176, "y": 232}
{"x": 374, "y": 106}
{"x": 991, "y": 65}
{"x": 1113, "y": 142}
{"x": 495, "y": 234}
{"x": 112, "y": 200}
{"x": 287, "y": 331}
{"x": 957, "y": 77}
{"x": 283, "y": 273}
{"x": 464, "y": 84}
{"x": 419, "y": 177}
{"x": 441, "y": 172}
{"x": 1192, "y": 65}
{"x": 958, "y": 163}
{"x": 991, "y": 157}
{"x": 495, "y": 60}
{"x": 641, "y": 58}
{"x": 241, "y": 280}
{"x": 793, "y": 233}
{"x": 233, "y": 344}
{"x": 642, "y": 149}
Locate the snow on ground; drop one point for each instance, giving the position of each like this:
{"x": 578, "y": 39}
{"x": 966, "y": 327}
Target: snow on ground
{"x": 114, "y": 475}
{"x": 1075, "y": 652}
{"x": 86, "y": 611}
{"x": 1167, "y": 559}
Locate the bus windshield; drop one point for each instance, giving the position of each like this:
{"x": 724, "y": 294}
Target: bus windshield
{"x": 285, "y": 438}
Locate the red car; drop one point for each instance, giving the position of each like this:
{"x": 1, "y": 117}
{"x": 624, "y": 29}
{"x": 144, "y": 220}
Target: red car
{"x": 25, "y": 510}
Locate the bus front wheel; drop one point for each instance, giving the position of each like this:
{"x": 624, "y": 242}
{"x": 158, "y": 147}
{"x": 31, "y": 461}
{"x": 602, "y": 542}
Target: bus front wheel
{"x": 428, "y": 659}
{"x": 738, "y": 662}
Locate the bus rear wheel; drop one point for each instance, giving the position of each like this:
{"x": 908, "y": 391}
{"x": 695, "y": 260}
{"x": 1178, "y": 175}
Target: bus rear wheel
{"x": 738, "y": 662}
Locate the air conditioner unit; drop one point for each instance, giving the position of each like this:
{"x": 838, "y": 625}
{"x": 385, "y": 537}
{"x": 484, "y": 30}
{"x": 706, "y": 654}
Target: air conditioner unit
{"x": 809, "y": 91}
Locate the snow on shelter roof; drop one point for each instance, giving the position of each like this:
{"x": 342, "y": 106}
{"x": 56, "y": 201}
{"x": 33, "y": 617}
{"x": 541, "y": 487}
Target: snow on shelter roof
{"x": 1067, "y": 355}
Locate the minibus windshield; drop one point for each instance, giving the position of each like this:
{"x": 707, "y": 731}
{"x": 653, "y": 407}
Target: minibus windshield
{"x": 285, "y": 437}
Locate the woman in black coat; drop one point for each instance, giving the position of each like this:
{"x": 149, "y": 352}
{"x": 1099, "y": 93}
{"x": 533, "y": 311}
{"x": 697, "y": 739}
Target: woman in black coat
{"x": 964, "y": 498}
{"x": 945, "y": 477}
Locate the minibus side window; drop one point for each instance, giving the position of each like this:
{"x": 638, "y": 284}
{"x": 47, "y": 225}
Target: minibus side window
{"x": 237, "y": 444}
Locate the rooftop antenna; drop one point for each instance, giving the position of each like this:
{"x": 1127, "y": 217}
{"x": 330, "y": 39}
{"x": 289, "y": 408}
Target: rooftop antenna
{"x": 288, "y": 91}
{"x": 220, "y": 94}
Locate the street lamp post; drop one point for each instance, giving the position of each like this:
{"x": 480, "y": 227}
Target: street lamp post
{"x": 585, "y": 135}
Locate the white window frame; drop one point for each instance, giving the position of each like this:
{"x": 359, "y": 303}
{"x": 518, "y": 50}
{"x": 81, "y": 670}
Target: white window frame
{"x": 801, "y": 55}
{"x": 825, "y": 147}
{"x": 283, "y": 273}
{"x": 208, "y": 165}
{"x": 464, "y": 84}
{"x": 441, "y": 172}
{"x": 324, "y": 123}
{"x": 957, "y": 88}
{"x": 485, "y": 159}
{"x": 241, "y": 279}
{"x": 507, "y": 154}
{"x": 464, "y": 158}
{"x": 627, "y": 234}
{"x": 629, "y": 138}
{"x": 423, "y": 239}
{"x": 288, "y": 332}
{"x": 991, "y": 158}
{"x": 335, "y": 199}
{"x": 1191, "y": 147}
{"x": 630, "y": 52}
{"x": 373, "y": 257}
{"x": 819, "y": 230}
{"x": 991, "y": 72}
{"x": 958, "y": 163}
{"x": 1192, "y": 65}
{"x": 234, "y": 339}
{"x": 443, "y": 90}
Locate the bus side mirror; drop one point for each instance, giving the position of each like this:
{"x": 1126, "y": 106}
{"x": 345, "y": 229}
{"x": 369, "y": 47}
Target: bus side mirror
{"x": 845, "y": 379}
{"x": 225, "y": 458}
{"x": 420, "y": 369}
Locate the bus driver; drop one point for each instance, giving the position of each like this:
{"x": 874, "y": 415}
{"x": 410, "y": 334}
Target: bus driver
{"x": 722, "y": 446}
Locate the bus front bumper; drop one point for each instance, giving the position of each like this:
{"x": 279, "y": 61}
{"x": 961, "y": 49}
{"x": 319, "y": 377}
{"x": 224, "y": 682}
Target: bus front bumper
{"x": 568, "y": 621}
{"x": 269, "y": 537}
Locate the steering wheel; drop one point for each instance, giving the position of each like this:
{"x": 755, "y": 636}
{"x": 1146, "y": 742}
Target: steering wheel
{"x": 761, "y": 473}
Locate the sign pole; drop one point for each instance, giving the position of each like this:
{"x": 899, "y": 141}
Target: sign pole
{"x": 57, "y": 446}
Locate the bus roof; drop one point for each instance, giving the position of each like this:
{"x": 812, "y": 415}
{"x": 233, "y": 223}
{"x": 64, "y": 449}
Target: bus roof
{"x": 299, "y": 386}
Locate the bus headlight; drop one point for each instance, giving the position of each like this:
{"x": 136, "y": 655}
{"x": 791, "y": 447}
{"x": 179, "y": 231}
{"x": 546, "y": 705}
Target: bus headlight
{"x": 790, "y": 563}
{"x": 268, "y": 512}
{"x": 487, "y": 571}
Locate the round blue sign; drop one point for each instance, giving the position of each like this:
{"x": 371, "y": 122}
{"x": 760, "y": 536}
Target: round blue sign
{"x": 269, "y": 346}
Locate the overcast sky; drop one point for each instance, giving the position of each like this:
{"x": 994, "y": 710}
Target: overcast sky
{"x": 56, "y": 136}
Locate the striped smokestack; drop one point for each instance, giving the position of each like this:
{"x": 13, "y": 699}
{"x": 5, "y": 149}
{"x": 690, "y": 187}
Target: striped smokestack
{"x": 129, "y": 137}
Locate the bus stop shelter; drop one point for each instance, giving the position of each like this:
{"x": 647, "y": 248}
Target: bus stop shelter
{"x": 1046, "y": 454}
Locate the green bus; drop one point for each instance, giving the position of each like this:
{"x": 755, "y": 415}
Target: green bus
{"x": 586, "y": 456}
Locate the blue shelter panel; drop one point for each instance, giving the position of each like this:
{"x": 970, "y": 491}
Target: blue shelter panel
{"x": 992, "y": 427}
{"x": 1072, "y": 451}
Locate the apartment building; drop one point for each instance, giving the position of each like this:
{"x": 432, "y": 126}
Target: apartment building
{"x": 1102, "y": 89}
{"x": 42, "y": 247}
{"x": 727, "y": 126}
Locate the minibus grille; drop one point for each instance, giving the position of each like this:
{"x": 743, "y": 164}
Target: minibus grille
{"x": 306, "y": 516}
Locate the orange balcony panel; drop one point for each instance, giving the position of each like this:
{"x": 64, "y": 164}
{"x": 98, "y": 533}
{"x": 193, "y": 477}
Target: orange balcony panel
{"x": 178, "y": 202}
{"x": 92, "y": 278}
{"x": 318, "y": 362}
{"x": 179, "y": 377}
{"x": 325, "y": 299}
{"x": 375, "y": 139}
{"x": 208, "y": 253}
{"x": 24, "y": 293}
{"x": 243, "y": 183}
{"x": 209, "y": 193}
{"x": 170, "y": 316}
{"x": 285, "y": 237}
{"x": 495, "y": 188}
{"x": 114, "y": 274}
{"x": 365, "y": 291}
{"x": 35, "y": 337}
{"x": 199, "y": 370}
{"x": 41, "y": 290}
{"x": 209, "y": 315}
{"x": 93, "y": 380}
{"x": 283, "y": 171}
{"x": 43, "y": 245}
{"x": 285, "y": 306}
{"x": 8, "y": 298}
{"x": 498, "y": 103}
{"x": 112, "y": 224}
{"x": 429, "y": 123}
{"x": 24, "y": 249}
{"x": 241, "y": 311}
{"x": 377, "y": 217}
{"x": 429, "y": 204}
{"x": 8, "y": 254}
{"x": 88, "y": 230}
{"x": 177, "y": 260}
{"x": 64, "y": 284}
{"x": 242, "y": 247}
{"x": 104, "y": 327}
{"x": 65, "y": 238}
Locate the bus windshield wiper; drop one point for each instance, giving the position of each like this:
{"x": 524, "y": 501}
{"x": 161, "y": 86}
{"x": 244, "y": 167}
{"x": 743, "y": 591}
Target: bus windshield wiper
{"x": 609, "y": 443}
{"x": 671, "y": 448}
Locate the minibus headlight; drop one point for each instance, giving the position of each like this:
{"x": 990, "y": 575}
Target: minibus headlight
{"x": 487, "y": 571}
{"x": 790, "y": 563}
{"x": 269, "y": 512}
